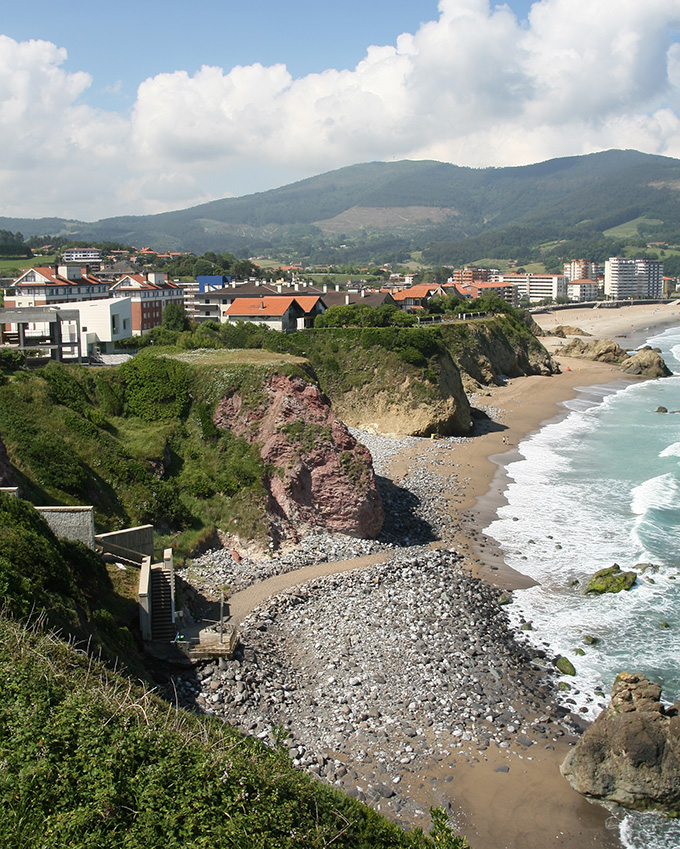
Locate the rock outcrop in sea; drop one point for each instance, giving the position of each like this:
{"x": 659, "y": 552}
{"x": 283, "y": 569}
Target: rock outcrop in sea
{"x": 322, "y": 477}
{"x": 630, "y": 755}
{"x": 646, "y": 362}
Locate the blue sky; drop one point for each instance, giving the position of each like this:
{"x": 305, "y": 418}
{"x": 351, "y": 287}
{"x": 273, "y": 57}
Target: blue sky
{"x": 147, "y": 106}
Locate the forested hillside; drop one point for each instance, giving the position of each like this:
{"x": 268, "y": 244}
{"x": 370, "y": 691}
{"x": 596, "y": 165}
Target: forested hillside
{"x": 443, "y": 209}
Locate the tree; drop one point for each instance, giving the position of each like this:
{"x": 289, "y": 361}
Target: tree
{"x": 174, "y": 318}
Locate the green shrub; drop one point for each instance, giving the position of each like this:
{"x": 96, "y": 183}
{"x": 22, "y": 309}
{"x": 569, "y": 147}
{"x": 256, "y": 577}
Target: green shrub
{"x": 156, "y": 387}
{"x": 64, "y": 386}
{"x": 11, "y": 360}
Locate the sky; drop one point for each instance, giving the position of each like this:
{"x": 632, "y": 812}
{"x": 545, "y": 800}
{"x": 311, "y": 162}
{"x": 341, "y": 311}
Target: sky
{"x": 148, "y": 106}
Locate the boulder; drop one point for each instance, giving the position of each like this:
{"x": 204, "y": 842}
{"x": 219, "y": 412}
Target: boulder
{"x": 647, "y": 363}
{"x": 630, "y": 755}
{"x": 565, "y": 666}
{"x": 564, "y": 330}
{"x": 611, "y": 580}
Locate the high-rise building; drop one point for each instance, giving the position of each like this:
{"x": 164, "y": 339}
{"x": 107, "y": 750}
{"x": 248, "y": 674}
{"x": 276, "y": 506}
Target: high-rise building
{"x": 627, "y": 277}
{"x": 580, "y": 269}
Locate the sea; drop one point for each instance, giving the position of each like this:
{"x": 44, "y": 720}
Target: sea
{"x": 597, "y": 486}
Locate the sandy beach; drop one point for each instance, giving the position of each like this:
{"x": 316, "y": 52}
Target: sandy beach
{"x": 531, "y": 806}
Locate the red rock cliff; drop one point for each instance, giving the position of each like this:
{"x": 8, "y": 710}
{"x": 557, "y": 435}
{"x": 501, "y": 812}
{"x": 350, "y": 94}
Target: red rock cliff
{"x": 323, "y": 477}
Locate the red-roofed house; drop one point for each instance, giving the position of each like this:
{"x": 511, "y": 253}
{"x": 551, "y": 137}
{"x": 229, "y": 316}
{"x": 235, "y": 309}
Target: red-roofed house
{"x": 278, "y": 312}
{"x": 507, "y": 292}
{"x": 63, "y": 284}
{"x": 417, "y": 296}
{"x": 149, "y": 294}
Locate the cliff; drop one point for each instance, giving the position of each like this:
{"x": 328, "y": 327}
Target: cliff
{"x": 415, "y": 381}
{"x": 321, "y": 476}
{"x": 630, "y": 755}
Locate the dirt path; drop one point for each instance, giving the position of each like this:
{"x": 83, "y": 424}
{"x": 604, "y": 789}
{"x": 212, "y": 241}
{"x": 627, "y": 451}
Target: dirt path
{"x": 245, "y": 601}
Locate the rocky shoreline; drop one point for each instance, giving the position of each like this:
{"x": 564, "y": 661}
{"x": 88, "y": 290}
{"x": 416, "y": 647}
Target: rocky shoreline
{"x": 383, "y": 680}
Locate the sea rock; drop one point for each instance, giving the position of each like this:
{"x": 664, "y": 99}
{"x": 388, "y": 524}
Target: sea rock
{"x": 565, "y": 666}
{"x": 630, "y": 755}
{"x": 323, "y": 477}
{"x": 601, "y": 350}
{"x": 647, "y": 363}
{"x": 564, "y": 330}
{"x": 611, "y": 580}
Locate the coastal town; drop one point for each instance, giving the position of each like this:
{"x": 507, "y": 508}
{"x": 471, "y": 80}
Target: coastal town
{"x": 87, "y": 302}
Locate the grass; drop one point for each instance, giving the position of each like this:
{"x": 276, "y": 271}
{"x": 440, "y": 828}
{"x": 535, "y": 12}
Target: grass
{"x": 630, "y": 229}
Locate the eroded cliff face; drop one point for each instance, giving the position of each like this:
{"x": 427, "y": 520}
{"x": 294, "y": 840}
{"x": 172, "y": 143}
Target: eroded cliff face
{"x": 396, "y": 410}
{"x": 477, "y": 354}
{"x": 485, "y": 351}
{"x": 321, "y": 476}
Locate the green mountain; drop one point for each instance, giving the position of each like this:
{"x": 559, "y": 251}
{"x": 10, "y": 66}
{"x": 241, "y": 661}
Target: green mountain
{"x": 405, "y": 206}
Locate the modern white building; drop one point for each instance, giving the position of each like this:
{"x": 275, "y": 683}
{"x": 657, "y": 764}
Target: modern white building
{"x": 103, "y": 324}
{"x": 82, "y": 255}
{"x": 69, "y": 330}
{"x": 536, "y": 287}
{"x": 627, "y": 277}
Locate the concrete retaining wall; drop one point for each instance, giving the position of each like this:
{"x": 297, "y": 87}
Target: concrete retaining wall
{"x": 130, "y": 543}
{"x": 76, "y": 523}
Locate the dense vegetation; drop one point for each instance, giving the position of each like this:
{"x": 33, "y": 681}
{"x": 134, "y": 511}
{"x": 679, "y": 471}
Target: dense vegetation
{"x": 137, "y": 442}
{"x": 12, "y": 245}
{"x": 91, "y": 759}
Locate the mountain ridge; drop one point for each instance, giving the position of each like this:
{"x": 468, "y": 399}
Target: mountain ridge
{"x": 609, "y": 187}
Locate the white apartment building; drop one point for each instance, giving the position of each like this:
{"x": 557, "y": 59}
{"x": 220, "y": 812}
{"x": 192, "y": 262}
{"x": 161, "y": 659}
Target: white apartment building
{"x": 581, "y": 269}
{"x": 627, "y": 277}
{"x": 536, "y": 287}
{"x": 82, "y": 255}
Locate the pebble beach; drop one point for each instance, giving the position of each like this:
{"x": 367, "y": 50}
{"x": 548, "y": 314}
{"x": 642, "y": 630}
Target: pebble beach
{"x": 396, "y": 676}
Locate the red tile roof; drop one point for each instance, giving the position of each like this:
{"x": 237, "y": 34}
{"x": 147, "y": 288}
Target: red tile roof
{"x": 269, "y": 305}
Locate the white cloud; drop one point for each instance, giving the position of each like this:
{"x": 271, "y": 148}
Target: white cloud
{"x": 475, "y": 87}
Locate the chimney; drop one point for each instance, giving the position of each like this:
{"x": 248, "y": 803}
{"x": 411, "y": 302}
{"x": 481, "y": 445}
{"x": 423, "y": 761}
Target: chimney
{"x": 347, "y": 299}
{"x": 261, "y": 303}
{"x": 363, "y": 293}
{"x": 337, "y": 287}
{"x": 297, "y": 287}
{"x": 325, "y": 288}
{"x": 279, "y": 288}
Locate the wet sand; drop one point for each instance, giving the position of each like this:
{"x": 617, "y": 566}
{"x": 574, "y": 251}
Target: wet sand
{"x": 529, "y": 806}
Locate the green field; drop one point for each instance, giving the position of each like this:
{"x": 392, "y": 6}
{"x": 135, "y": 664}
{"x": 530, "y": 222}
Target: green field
{"x": 630, "y": 228}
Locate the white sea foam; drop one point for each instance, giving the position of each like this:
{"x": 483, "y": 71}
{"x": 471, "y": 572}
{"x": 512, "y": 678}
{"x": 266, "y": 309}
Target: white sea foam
{"x": 601, "y": 487}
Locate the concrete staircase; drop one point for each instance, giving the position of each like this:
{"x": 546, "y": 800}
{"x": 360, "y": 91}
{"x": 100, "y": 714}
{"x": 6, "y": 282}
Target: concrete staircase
{"x": 162, "y": 608}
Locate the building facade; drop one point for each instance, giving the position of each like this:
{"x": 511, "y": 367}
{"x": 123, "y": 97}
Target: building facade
{"x": 149, "y": 294}
{"x": 46, "y": 285}
{"x": 627, "y": 277}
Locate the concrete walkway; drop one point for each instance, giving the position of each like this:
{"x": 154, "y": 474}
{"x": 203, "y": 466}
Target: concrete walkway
{"x": 245, "y": 601}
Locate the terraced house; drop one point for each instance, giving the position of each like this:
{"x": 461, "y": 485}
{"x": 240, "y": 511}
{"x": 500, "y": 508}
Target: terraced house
{"x": 149, "y": 294}
{"x": 62, "y": 284}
